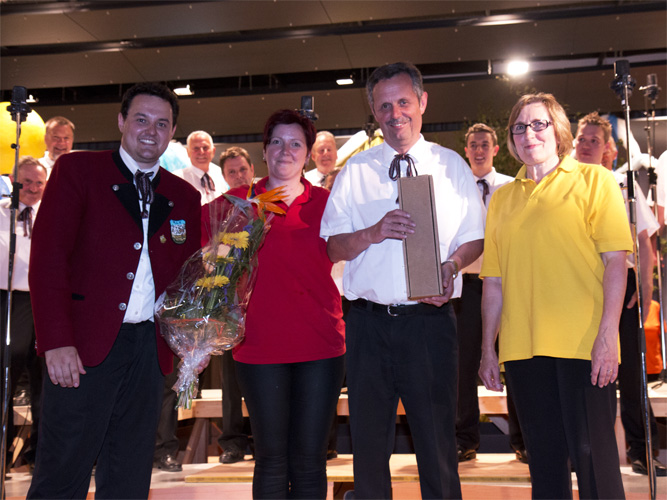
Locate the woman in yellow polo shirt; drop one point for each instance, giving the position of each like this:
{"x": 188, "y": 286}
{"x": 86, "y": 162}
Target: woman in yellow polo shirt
{"x": 554, "y": 276}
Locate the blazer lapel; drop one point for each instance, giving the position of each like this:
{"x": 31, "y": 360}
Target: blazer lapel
{"x": 126, "y": 192}
{"x": 160, "y": 208}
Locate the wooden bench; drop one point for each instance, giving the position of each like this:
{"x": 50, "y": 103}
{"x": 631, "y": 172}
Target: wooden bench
{"x": 491, "y": 403}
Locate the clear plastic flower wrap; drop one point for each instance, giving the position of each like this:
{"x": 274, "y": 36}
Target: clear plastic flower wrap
{"x": 203, "y": 311}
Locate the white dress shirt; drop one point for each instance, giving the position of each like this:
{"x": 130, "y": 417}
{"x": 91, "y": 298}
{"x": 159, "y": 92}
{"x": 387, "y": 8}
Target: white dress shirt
{"x": 48, "y": 163}
{"x": 645, "y": 218}
{"x": 494, "y": 181}
{"x": 363, "y": 193}
{"x": 22, "y": 255}
{"x": 315, "y": 177}
{"x": 193, "y": 176}
{"x": 142, "y": 297}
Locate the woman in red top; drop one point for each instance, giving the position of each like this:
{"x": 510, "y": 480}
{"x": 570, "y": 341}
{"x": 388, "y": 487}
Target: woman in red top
{"x": 290, "y": 365}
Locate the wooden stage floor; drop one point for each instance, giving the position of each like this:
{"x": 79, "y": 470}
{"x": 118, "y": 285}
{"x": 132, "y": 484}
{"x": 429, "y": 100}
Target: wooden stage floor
{"x": 490, "y": 476}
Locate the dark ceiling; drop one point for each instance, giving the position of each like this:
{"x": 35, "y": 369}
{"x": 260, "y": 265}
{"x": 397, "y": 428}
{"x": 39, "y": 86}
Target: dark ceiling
{"x": 245, "y": 59}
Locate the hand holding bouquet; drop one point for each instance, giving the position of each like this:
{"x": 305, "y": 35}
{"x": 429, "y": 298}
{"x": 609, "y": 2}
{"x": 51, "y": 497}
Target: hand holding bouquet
{"x": 203, "y": 311}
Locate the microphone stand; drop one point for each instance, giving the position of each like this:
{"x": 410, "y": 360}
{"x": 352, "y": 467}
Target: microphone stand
{"x": 19, "y": 110}
{"x": 623, "y": 84}
{"x": 651, "y": 91}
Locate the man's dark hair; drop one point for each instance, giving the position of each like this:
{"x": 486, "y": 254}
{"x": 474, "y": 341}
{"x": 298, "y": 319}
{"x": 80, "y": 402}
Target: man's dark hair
{"x": 150, "y": 88}
{"x": 391, "y": 70}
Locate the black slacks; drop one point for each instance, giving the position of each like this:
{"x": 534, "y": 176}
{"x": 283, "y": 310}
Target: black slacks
{"x": 629, "y": 380}
{"x": 110, "y": 418}
{"x": 411, "y": 357}
{"x": 23, "y": 357}
{"x": 232, "y": 406}
{"x": 566, "y": 421}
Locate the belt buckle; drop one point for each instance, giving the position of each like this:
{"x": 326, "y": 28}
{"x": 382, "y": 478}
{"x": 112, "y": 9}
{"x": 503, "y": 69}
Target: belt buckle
{"x": 389, "y": 306}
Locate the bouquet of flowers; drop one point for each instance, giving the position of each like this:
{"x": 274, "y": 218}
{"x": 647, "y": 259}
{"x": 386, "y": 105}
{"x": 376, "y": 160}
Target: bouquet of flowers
{"x": 203, "y": 311}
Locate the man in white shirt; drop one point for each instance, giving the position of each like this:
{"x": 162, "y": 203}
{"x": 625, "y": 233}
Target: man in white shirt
{"x": 59, "y": 139}
{"x": 481, "y": 148}
{"x": 203, "y": 175}
{"x": 32, "y": 176}
{"x": 237, "y": 168}
{"x": 397, "y": 347}
{"x": 592, "y": 146}
{"x": 324, "y": 154}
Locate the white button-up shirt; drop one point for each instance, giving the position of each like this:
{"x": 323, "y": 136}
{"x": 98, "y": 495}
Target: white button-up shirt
{"x": 363, "y": 193}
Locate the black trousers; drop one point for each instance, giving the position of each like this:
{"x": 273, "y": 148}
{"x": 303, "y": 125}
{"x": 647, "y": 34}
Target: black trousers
{"x": 23, "y": 358}
{"x": 166, "y": 441}
{"x": 110, "y": 418}
{"x": 629, "y": 380}
{"x": 232, "y": 406}
{"x": 469, "y": 333}
{"x": 411, "y": 357}
{"x": 566, "y": 421}
{"x": 291, "y": 406}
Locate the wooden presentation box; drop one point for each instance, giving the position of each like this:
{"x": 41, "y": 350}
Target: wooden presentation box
{"x": 421, "y": 249}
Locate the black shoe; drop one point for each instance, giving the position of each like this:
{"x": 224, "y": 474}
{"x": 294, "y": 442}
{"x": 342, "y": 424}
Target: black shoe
{"x": 232, "y": 454}
{"x": 22, "y": 398}
{"x": 639, "y": 466}
{"x": 522, "y": 456}
{"x": 168, "y": 463}
{"x": 466, "y": 454}
{"x": 332, "y": 454}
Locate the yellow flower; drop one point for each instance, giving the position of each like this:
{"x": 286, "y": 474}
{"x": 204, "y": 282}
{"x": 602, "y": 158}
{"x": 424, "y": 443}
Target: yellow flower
{"x": 237, "y": 240}
{"x": 220, "y": 281}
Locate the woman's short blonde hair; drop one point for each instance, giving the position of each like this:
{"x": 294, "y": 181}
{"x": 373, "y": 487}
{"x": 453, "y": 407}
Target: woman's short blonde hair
{"x": 558, "y": 118}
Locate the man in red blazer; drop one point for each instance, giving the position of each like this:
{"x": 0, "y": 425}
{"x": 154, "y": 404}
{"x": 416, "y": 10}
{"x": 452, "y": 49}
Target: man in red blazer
{"x": 106, "y": 244}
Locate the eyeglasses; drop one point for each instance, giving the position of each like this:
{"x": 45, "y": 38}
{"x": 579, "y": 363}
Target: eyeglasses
{"x": 537, "y": 126}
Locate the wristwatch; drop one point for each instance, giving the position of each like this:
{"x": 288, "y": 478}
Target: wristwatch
{"x": 456, "y": 267}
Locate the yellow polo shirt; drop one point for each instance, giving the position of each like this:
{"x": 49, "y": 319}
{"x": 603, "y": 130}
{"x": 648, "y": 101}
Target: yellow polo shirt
{"x": 544, "y": 240}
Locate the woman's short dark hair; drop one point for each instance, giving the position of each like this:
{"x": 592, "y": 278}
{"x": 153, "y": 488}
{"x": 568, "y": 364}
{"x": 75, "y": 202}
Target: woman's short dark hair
{"x": 289, "y": 117}
{"x": 154, "y": 89}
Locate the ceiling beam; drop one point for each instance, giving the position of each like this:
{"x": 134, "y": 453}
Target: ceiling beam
{"x": 487, "y": 18}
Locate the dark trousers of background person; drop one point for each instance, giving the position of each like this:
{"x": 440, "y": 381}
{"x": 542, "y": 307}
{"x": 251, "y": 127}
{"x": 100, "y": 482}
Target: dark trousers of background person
{"x": 22, "y": 357}
{"x": 291, "y": 406}
{"x": 111, "y": 417}
{"x": 413, "y": 357}
{"x": 469, "y": 332}
{"x": 566, "y": 420}
{"x": 629, "y": 380}
{"x": 232, "y": 407}
{"x": 166, "y": 441}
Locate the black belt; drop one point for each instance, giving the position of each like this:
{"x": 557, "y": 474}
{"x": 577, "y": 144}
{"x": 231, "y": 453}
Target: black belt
{"x": 470, "y": 277}
{"x": 396, "y": 309}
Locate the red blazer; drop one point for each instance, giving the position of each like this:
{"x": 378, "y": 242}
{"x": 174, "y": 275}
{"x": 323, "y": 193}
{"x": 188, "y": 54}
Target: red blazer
{"x": 86, "y": 245}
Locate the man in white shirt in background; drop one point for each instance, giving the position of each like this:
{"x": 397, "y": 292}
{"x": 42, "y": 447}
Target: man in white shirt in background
{"x": 32, "y": 176}
{"x": 592, "y": 145}
{"x": 202, "y": 175}
{"x": 59, "y": 139}
{"x": 325, "y": 154}
{"x": 481, "y": 148}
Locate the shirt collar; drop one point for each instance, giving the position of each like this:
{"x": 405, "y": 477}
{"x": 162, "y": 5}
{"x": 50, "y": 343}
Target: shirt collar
{"x": 567, "y": 164}
{"x": 198, "y": 171}
{"x": 419, "y": 152}
{"x": 490, "y": 177}
{"x": 133, "y": 166}
{"x": 260, "y": 187}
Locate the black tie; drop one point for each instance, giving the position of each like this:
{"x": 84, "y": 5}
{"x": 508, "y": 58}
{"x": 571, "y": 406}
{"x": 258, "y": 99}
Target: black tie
{"x": 485, "y": 189}
{"x": 207, "y": 183}
{"x": 145, "y": 189}
{"x": 395, "y": 167}
{"x": 26, "y": 217}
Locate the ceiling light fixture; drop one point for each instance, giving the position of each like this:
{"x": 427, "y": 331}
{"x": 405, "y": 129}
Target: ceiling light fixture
{"x": 181, "y": 91}
{"x": 32, "y": 100}
{"x": 345, "y": 81}
{"x": 517, "y": 68}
